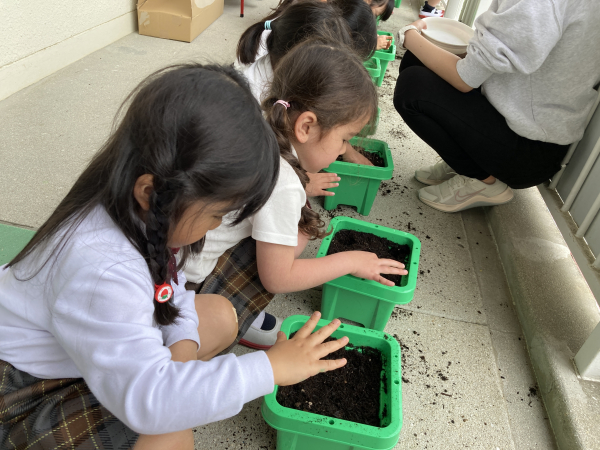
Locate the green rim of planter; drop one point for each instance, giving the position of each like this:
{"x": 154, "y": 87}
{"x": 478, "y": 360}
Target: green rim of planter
{"x": 359, "y": 184}
{"x": 360, "y": 170}
{"x": 317, "y": 430}
{"x": 398, "y": 295}
{"x": 373, "y": 66}
{"x": 384, "y": 56}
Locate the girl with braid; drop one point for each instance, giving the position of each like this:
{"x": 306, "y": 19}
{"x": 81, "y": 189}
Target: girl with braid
{"x": 298, "y": 22}
{"x": 313, "y": 116}
{"x": 101, "y": 346}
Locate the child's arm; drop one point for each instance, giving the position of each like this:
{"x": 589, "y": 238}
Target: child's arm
{"x": 353, "y": 156}
{"x": 280, "y": 272}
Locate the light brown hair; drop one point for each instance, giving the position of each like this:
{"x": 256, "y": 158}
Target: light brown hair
{"x": 329, "y": 81}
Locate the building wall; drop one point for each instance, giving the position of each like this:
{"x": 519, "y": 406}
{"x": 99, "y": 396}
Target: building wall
{"x": 39, "y": 37}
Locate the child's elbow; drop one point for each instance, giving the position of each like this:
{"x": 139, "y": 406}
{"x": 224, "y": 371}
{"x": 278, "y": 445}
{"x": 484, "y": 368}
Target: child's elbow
{"x": 272, "y": 286}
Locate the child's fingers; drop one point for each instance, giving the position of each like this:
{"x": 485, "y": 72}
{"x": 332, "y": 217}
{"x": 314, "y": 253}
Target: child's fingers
{"x": 324, "y": 332}
{"x": 281, "y": 337}
{"x": 383, "y": 281}
{"x": 332, "y": 346}
{"x": 331, "y": 364}
{"x": 327, "y": 193}
{"x": 394, "y": 271}
{"x": 308, "y": 327}
{"x": 391, "y": 263}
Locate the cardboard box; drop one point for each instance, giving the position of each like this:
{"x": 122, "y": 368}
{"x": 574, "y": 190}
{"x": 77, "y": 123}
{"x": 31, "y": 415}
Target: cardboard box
{"x": 181, "y": 20}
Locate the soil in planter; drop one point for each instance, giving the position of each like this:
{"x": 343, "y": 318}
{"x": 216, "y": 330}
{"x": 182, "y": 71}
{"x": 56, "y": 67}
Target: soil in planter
{"x": 350, "y": 393}
{"x": 345, "y": 240}
{"x": 374, "y": 157}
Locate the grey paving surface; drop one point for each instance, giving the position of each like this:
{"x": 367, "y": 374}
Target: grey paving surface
{"x": 468, "y": 382}
{"x": 558, "y": 313}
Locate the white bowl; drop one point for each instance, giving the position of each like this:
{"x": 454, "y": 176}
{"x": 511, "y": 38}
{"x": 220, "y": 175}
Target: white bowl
{"x": 449, "y": 34}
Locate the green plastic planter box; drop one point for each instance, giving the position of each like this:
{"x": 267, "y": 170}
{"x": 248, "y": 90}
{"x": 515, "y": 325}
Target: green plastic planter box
{"x": 368, "y": 130}
{"x": 300, "y": 430}
{"x": 359, "y": 184}
{"x": 397, "y": 3}
{"x": 384, "y": 56}
{"x": 365, "y": 301}
{"x": 373, "y": 66}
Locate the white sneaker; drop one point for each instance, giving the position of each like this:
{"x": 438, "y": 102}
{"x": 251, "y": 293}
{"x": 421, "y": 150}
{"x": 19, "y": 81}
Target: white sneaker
{"x": 261, "y": 339}
{"x": 460, "y": 193}
{"x": 436, "y": 174}
{"x": 435, "y": 13}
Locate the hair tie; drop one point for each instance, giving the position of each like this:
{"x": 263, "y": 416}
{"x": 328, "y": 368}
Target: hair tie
{"x": 282, "y": 102}
{"x": 268, "y": 24}
{"x": 163, "y": 293}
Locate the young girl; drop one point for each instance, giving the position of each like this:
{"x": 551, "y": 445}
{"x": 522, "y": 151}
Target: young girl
{"x": 503, "y": 117}
{"x": 313, "y": 116}
{"x": 100, "y": 344}
{"x": 295, "y": 24}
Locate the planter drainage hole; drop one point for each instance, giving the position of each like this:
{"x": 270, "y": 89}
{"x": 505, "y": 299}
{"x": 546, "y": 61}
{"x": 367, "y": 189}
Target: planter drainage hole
{"x": 331, "y": 422}
{"x": 341, "y": 326}
{"x": 396, "y": 382}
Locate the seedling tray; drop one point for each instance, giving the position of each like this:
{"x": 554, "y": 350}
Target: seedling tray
{"x": 359, "y": 183}
{"x": 384, "y": 56}
{"x": 301, "y": 430}
{"x": 373, "y": 66}
{"x": 365, "y": 301}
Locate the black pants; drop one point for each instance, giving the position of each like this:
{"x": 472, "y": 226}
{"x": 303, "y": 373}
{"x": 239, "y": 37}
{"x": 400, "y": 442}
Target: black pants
{"x": 468, "y": 132}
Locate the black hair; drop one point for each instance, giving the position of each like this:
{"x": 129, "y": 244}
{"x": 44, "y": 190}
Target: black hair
{"x": 201, "y": 135}
{"x": 362, "y": 22}
{"x": 317, "y": 77}
{"x": 389, "y": 8}
{"x": 312, "y": 19}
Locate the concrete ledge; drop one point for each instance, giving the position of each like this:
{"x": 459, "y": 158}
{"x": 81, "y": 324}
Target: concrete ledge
{"x": 29, "y": 70}
{"x": 557, "y": 312}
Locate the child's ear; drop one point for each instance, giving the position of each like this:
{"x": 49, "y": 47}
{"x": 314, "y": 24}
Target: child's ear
{"x": 142, "y": 189}
{"x": 306, "y": 125}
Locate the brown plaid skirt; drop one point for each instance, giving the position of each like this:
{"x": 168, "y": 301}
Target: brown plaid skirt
{"x": 55, "y": 414}
{"x": 235, "y": 277}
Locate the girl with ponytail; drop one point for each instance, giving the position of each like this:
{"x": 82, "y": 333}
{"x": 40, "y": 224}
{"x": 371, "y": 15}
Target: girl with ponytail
{"x": 101, "y": 346}
{"x": 320, "y": 97}
{"x": 298, "y": 22}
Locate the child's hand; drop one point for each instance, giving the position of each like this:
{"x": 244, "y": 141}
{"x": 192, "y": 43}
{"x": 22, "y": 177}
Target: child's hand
{"x": 299, "y": 358}
{"x": 353, "y": 156}
{"x": 318, "y": 182}
{"x": 370, "y": 267}
{"x": 384, "y": 42}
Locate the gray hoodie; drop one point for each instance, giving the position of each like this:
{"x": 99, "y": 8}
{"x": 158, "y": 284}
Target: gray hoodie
{"x": 537, "y": 62}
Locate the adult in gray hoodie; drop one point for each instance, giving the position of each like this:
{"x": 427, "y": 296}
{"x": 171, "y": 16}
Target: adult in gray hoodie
{"x": 504, "y": 116}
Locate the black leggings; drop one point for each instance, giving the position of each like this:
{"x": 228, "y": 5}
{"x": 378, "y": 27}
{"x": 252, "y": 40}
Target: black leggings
{"x": 468, "y": 132}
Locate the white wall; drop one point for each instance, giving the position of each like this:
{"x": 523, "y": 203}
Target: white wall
{"x": 39, "y": 37}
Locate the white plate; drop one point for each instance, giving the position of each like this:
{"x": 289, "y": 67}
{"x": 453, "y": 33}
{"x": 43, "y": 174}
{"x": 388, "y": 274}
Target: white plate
{"x": 447, "y": 31}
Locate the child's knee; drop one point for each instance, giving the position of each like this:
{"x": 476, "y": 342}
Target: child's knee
{"x": 227, "y": 317}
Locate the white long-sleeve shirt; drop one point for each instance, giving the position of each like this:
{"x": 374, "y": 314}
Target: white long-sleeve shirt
{"x": 537, "y": 62}
{"x": 89, "y": 313}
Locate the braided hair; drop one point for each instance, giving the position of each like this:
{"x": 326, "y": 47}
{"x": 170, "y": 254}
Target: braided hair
{"x": 331, "y": 82}
{"x": 199, "y": 133}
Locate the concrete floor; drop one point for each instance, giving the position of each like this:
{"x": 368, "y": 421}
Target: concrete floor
{"x": 468, "y": 381}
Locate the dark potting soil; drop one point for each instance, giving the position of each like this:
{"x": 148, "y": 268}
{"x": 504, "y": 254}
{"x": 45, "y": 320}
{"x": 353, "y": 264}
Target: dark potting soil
{"x": 350, "y": 393}
{"x": 345, "y": 240}
{"x": 374, "y": 157}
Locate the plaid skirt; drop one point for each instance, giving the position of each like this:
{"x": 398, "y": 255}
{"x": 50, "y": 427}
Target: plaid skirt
{"x": 55, "y": 415}
{"x": 235, "y": 277}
